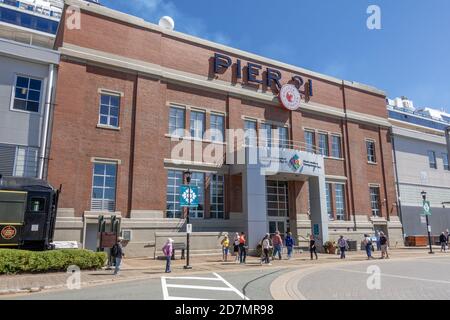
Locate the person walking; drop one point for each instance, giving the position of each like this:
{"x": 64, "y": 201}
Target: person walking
{"x": 168, "y": 250}
{"x": 277, "y": 245}
{"x": 236, "y": 247}
{"x": 242, "y": 250}
{"x": 342, "y": 243}
{"x": 225, "y": 247}
{"x": 447, "y": 235}
{"x": 266, "y": 246}
{"x": 367, "y": 243}
{"x": 443, "y": 242}
{"x": 378, "y": 236}
{"x": 312, "y": 247}
{"x": 118, "y": 254}
{"x": 384, "y": 246}
{"x": 289, "y": 241}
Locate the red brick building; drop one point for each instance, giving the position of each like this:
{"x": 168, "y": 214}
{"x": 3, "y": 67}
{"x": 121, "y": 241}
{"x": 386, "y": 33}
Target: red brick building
{"x": 126, "y": 87}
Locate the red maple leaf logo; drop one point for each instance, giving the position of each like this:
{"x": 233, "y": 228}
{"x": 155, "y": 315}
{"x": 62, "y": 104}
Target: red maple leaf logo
{"x": 289, "y": 96}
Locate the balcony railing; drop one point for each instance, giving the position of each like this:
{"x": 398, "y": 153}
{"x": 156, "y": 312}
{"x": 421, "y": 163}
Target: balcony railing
{"x": 33, "y": 8}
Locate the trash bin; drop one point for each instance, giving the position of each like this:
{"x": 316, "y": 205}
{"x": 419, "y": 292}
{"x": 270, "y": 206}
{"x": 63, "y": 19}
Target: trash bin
{"x": 352, "y": 245}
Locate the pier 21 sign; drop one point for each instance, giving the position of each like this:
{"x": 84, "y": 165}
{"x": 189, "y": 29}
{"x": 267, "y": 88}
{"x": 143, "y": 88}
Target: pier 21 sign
{"x": 289, "y": 94}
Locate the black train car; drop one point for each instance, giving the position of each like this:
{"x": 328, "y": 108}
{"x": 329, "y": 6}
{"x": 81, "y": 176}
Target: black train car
{"x": 28, "y": 210}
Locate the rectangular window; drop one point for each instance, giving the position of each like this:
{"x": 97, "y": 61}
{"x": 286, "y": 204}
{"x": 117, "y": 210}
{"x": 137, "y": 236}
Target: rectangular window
{"x": 432, "y": 159}
{"x": 277, "y": 198}
{"x": 176, "y": 121}
{"x": 109, "y": 110}
{"x": 445, "y": 161}
{"x": 197, "y": 124}
{"x": 104, "y": 187}
{"x": 198, "y": 179}
{"x": 375, "y": 200}
{"x": 217, "y": 127}
{"x": 266, "y": 135}
{"x": 340, "y": 201}
{"x": 250, "y": 133}
{"x": 26, "y": 162}
{"x": 310, "y": 141}
{"x": 217, "y": 208}
{"x": 336, "y": 147}
{"x": 370, "y": 146}
{"x": 328, "y": 198}
{"x": 323, "y": 144}
{"x": 27, "y": 94}
{"x": 174, "y": 181}
{"x": 283, "y": 136}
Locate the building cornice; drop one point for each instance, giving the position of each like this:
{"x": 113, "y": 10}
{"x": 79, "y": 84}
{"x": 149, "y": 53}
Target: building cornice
{"x": 104, "y": 59}
{"x": 139, "y": 22}
{"x": 28, "y": 52}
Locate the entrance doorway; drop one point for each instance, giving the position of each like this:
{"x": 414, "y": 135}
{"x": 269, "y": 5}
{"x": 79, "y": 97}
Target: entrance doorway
{"x": 278, "y": 206}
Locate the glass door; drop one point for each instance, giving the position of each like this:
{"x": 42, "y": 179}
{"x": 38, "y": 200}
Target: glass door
{"x": 278, "y": 206}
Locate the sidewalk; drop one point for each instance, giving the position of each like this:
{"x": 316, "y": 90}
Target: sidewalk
{"x": 144, "y": 268}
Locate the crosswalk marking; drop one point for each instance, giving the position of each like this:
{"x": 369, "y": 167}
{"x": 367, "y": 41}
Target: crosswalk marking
{"x": 217, "y": 278}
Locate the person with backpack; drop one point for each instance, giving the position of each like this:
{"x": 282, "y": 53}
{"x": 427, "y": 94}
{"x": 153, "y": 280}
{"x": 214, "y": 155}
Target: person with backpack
{"x": 289, "y": 241}
{"x": 168, "y": 251}
{"x": 266, "y": 246}
{"x": 117, "y": 253}
{"x": 343, "y": 245}
{"x": 236, "y": 247}
{"x": 277, "y": 245}
{"x": 367, "y": 243}
{"x": 225, "y": 247}
{"x": 242, "y": 250}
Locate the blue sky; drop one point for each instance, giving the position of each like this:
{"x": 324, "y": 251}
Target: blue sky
{"x": 409, "y": 56}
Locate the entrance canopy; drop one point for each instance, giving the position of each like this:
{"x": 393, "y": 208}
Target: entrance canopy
{"x": 288, "y": 165}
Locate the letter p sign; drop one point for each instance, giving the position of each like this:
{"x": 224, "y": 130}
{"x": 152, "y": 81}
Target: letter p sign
{"x": 374, "y": 20}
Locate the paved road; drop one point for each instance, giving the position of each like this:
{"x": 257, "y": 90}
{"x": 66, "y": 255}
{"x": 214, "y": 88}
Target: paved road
{"x": 420, "y": 278}
{"x": 253, "y": 284}
{"x": 413, "y": 278}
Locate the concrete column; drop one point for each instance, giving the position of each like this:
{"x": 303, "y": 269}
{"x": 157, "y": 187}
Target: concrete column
{"x": 255, "y": 204}
{"x": 318, "y": 204}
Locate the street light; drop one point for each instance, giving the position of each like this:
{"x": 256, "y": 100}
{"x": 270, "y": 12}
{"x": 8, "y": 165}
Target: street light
{"x": 187, "y": 177}
{"x": 424, "y": 197}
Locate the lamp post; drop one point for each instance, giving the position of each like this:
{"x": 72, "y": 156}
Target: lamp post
{"x": 424, "y": 197}
{"x": 187, "y": 176}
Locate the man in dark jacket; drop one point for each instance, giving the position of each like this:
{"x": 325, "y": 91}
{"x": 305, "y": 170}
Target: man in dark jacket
{"x": 117, "y": 254}
{"x": 443, "y": 241}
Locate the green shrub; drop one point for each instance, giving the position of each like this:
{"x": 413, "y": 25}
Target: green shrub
{"x": 20, "y": 261}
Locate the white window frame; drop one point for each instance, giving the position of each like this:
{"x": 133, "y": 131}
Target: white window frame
{"x": 253, "y": 135}
{"x": 104, "y": 202}
{"x": 334, "y": 135}
{"x": 175, "y": 134}
{"x": 339, "y": 216}
{"x": 213, "y": 130}
{"x": 310, "y": 148}
{"x": 326, "y": 134}
{"x": 374, "y": 151}
{"x": 214, "y": 214}
{"x": 193, "y": 124}
{"x": 109, "y": 93}
{"x": 375, "y": 212}
{"x": 13, "y": 93}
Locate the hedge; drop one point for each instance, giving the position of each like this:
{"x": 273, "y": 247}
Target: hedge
{"x": 21, "y": 261}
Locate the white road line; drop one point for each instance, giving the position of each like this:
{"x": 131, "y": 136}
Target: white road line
{"x": 240, "y": 294}
{"x": 164, "y": 288}
{"x": 395, "y": 276}
{"x": 185, "y": 298}
{"x": 194, "y": 278}
{"x": 184, "y": 286}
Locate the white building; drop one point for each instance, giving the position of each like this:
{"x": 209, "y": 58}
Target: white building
{"x": 28, "y": 63}
{"x": 421, "y": 149}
